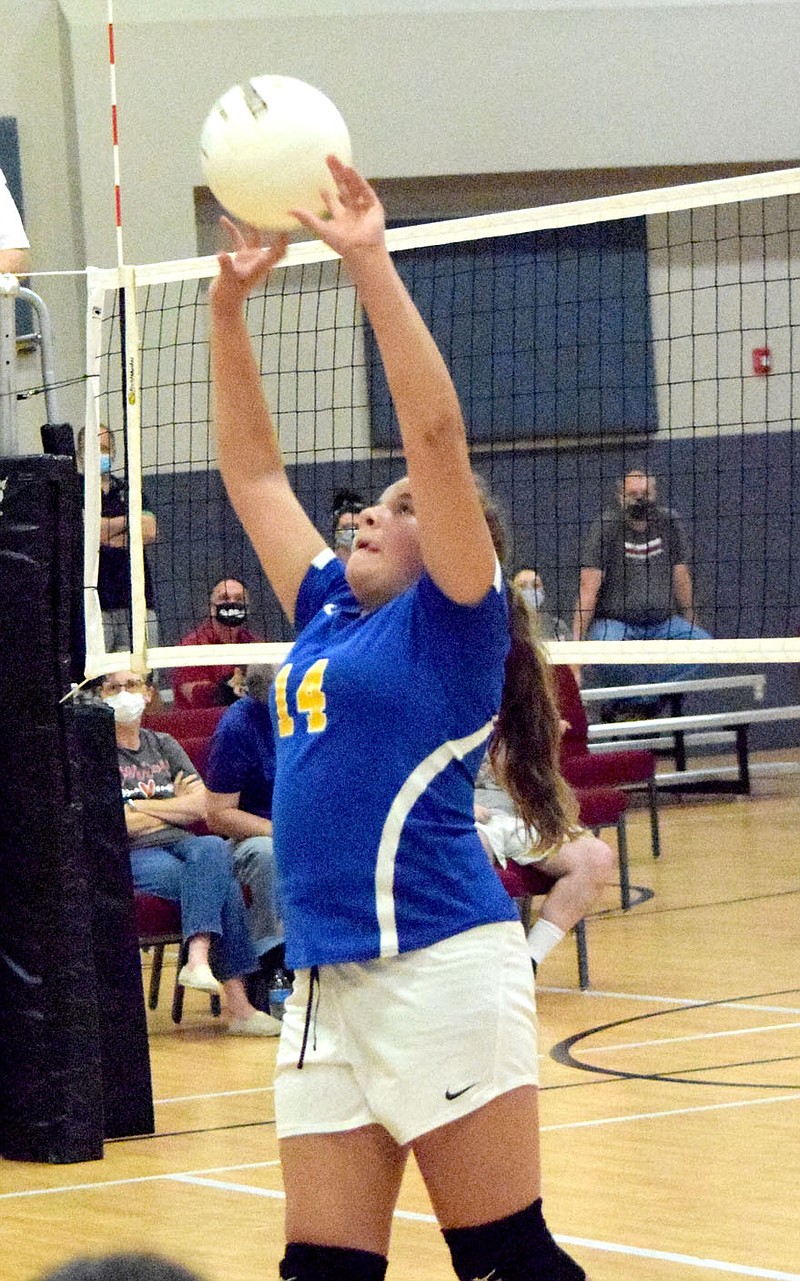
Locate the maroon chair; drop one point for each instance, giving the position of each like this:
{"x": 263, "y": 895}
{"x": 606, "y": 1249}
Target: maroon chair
{"x": 600, "y": 807}
{"x": 581, "y": 768}
{"x": 158, "y": 922}
{"x": 184, "y": 722}
{"x": 525, "y": 883}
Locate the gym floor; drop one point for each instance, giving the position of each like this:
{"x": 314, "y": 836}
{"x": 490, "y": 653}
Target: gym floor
{"x": 670, "y": 1092}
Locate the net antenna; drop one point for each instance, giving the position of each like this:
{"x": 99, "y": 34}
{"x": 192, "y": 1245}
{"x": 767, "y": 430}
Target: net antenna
{"x": 136, "y": 658}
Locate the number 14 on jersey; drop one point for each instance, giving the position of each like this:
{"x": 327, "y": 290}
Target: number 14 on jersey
{"x": 310, "y": 699}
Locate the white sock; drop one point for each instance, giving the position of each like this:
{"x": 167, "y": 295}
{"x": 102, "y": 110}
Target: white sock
{"x": 542, "y": 938}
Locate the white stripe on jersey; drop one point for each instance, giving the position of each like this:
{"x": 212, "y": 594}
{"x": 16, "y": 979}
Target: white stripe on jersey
{"x": 405, "y": 800}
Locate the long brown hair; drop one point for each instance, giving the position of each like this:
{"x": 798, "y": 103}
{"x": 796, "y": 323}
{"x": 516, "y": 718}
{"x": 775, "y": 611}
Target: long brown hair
{"x": 525, "y": 746}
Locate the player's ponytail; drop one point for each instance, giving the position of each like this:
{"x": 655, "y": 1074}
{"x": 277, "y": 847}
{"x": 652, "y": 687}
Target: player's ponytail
{"x": 524, "y": 749}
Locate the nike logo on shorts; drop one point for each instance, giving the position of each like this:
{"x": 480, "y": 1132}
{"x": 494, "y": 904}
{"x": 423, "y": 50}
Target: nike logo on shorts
{"x": 456, "y": 1094}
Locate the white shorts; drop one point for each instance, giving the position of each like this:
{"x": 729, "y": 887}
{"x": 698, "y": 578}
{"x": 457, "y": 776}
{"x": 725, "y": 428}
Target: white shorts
{"x": 409, "y": 1042}
{"x": 509, "y": 838}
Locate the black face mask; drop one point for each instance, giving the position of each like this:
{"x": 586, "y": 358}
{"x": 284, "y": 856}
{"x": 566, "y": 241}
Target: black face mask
{"x": 639, "y": 509}
{"x": 231, "y": 613}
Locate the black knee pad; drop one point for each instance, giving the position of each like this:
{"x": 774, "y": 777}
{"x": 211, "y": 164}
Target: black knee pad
{"x": 303, "y": 1262}
{"x": 517, "y": 1248}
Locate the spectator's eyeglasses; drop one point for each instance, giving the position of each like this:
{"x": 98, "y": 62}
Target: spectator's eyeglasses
{"x": 132, "y": 687}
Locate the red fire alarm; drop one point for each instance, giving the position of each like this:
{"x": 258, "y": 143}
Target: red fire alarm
{"x": 762, "y": 360}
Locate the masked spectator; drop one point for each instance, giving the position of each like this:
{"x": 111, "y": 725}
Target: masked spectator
{"x": 220, "y": 685}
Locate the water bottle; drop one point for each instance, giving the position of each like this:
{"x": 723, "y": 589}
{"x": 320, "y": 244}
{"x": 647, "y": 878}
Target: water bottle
{"x": 279, "y": 988}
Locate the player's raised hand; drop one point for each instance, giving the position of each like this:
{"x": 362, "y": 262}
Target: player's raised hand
{"x": 249, "y": 263}
{"x": 355, "y": 214}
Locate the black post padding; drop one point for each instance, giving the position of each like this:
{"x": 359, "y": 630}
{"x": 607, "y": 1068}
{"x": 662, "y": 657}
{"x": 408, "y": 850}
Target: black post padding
{"x": 58, "y": 439}
{"x": 127, "y": 1091}
{"x": 51, "y": 1098}
{"x": 50, "y": 1080}
{"x": 41, "y": 576}
{"x": 51, "y": 1060}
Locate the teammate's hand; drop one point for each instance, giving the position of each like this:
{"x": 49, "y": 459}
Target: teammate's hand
{"x": 355, "y": 214}
{"x": 247, "y": 266}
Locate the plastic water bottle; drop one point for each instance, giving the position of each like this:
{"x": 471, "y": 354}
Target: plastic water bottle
{"x": 279, "y": 989}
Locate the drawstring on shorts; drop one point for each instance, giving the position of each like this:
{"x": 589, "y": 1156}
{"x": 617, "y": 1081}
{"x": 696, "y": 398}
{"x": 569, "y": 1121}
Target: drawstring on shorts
{"x": 313, "y": 978}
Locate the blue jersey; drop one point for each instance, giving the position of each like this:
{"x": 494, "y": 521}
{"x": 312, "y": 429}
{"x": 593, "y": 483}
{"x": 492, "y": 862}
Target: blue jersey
{"x": 381, "y": 720}
{"x": 242, "y": 756}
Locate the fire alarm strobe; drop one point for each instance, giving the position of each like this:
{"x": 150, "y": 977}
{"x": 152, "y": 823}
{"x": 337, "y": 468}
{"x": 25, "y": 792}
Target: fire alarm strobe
{"x": 762, "y": 360}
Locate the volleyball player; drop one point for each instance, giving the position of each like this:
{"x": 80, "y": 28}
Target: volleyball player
{"x": 412, "y": 1021}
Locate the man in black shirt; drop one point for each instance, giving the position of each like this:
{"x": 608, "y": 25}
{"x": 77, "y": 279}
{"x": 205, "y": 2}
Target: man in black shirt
{"x": 635, "y": 581}
{"x": 114, "y": 573}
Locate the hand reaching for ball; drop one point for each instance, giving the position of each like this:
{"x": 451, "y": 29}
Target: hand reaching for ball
{"x": 247, "y": 266}
{"x": 355, "y": 215}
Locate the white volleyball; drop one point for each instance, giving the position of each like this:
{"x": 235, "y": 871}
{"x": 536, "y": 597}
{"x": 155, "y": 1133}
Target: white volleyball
{"x": 263, "y": 149}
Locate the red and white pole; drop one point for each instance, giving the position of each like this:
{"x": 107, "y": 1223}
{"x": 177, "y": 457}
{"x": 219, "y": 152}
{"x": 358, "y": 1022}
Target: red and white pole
{"x": 112, "y": 67}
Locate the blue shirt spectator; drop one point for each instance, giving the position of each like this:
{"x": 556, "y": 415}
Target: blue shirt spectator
{"x": 239, "y": 781}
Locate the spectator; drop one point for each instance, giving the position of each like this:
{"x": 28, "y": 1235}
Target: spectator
{"x": 14, "y": 244}
{"x": 114, "y": 569}
{"x": 346, "y": 506}
{"x": 221, "y": 685}
{"x": 581, "y": 866}
{"x": 634, "y": 572}
{"x": 531, "y": 588}
{"x": 163, "y": 798}
{"x": 239, "y": 782}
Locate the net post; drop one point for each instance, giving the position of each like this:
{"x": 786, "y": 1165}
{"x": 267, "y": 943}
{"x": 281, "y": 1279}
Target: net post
{"x": 133, "y": 454}
{"x": 9, "y": 434}
{"x": 93, "y": 619}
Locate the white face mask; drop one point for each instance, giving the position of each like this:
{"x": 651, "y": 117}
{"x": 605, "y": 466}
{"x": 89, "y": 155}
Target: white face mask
{"x": 343, "y": 539}
{"x": 533, "y": 596}
{"x": 127, "y": 707}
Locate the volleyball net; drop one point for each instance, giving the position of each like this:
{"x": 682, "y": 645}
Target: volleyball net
{"x": 656, "y": 332}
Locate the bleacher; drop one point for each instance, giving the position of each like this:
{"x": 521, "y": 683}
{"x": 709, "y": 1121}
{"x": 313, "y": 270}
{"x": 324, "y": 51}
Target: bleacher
{"x": 680, "y": 735}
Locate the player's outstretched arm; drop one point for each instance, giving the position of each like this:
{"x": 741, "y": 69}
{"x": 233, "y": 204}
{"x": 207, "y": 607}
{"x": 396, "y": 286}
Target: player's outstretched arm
{"x": 250, "y": 459}
{"x": 456, "y": 544}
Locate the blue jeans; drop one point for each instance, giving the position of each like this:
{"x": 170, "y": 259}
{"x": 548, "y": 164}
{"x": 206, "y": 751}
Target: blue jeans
{"x": 198, "y": 873}
{"x": 675, "y": 628}
{"x": 254, "y": 866}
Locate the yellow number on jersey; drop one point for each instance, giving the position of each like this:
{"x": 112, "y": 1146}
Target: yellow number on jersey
{"x": 310, "y": 699}
{"x": 285, "y": 722}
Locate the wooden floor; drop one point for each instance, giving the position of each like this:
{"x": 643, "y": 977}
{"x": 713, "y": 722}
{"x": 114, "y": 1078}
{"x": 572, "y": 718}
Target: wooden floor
{"x": 670, "y": 1100}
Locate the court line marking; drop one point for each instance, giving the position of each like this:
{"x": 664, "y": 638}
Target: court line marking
{"x": 586, "y": 1243}
{"x": 672, "y": 1000}
{"x": 627, "y": 996}
{"x": 695, "y": 1036}
{"x": 195, "y": 1178}
{"x": 689, "y": 1260}
{"x": 141, "y": 1178}
{"x": 649, "y": 1116}
{"x": 217, "y": 1094}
